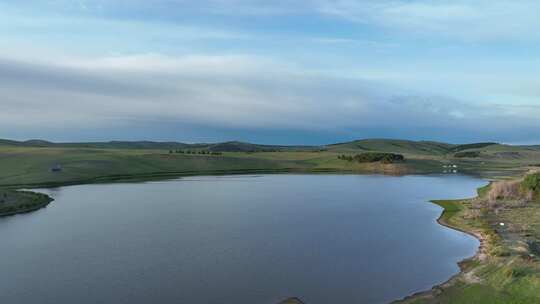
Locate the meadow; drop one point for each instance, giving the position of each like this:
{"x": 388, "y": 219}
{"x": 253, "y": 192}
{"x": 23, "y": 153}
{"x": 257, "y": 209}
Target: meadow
{"x": 506, "y": 270}
{"x": 28, "y": 164}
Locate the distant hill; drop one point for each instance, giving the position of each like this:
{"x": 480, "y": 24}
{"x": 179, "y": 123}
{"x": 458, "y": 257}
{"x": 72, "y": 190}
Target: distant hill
{"x": 96, "y": 145}
{"x": 237, "y": 146}
{"x": 459, "y": 148}
{"x": 394, "y": 145}
{"x": 432, "y": 148}
{"x": 231, "y": 146}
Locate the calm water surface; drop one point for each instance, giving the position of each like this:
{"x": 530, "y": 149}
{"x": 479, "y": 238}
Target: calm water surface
{"x": 235, "y": 240}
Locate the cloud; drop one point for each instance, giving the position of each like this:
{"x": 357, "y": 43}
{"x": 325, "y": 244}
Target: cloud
{"x": 484, "y": 20}
{"x": 470, "y": 20}
{"x": 409, "y": 66}
{"x": 216, "y": 91}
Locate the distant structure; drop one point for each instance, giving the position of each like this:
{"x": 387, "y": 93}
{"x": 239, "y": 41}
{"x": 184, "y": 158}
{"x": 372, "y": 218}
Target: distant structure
{"x": 451, "y": 168}
{"x": 56, "y": 168}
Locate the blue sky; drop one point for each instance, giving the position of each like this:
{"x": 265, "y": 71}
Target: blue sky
{"x": 306, "y": 72}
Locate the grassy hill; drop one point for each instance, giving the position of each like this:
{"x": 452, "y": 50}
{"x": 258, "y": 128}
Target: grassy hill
{"x": 231, "y": 146}
{"x": 30, "y": 162}
{"x": 100, "y": 145}
{"x": 237, "y": 146}
{"x": 507, "y": 267}
{"x": 366, "y": 145}
{"x": 393, "y": 146}
{"x": 408, "y": 146}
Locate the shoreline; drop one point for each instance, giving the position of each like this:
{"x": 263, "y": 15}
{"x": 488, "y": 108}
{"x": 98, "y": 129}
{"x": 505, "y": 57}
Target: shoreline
{"x": 30, "y": 201}
{"x": 151, "y": 176}
{"x": 426, "y": 294}
{"x": 480, "y": 255}
{"x": 28, "y": 210}
{"x": 160, "y": 176}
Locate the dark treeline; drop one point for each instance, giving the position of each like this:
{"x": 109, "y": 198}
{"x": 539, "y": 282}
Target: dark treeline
{"x": 470, "y": 154}
{"x": 202, "y": 152}
{"x": 262, "y": 150}
{"x": 371, "y": 157}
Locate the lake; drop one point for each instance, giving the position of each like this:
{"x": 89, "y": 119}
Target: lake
{"x": 235, "y": 240}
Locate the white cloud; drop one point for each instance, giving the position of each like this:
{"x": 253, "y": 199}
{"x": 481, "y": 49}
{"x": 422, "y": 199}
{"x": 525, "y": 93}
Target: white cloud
{"x": 471, "y": 20}
{"x": 220, "y": 91}
{"x": 106, "y": 65}
{"x": 485, "y": 20}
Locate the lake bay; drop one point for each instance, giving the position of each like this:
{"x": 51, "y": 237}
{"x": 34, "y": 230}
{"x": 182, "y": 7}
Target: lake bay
{"x": 235, "y": 240}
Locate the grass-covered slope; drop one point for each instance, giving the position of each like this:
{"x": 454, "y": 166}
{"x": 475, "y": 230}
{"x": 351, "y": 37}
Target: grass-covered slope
{"x": 505, "y": 217}
{"x": 237, "y": 146}
{"x": 27, "y": 166}
{"x": 394, "y": 145}
{"x": 230, "y": 146}
{"x": 507, "y": 271}
{"x": 29, "y": 163}
{"x": 13, "y": 202}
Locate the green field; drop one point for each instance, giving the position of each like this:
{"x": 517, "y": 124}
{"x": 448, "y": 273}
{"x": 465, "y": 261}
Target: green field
{"x": 29, "y": 163}
{"x": 507, "y": 272}
{"x": 13, "y": 202}
{"x": 507, "y": 267}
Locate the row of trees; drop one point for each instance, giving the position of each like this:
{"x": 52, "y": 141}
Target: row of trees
{"x": 371, "y": 157}
{"x": 469, "y": 154}
{"x": 202, "y": 152}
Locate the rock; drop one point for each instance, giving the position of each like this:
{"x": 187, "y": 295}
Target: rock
{"x": 292, "y": 301}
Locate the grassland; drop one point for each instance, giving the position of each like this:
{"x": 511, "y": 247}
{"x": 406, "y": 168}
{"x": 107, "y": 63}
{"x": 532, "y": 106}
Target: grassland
{"x": 27, "y": 164}
{"x": 14, "y": 202}
{"x": 506, "y": 269}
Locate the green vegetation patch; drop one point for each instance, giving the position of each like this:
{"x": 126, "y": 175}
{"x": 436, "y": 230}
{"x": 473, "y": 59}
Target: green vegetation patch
{"x": 451, "y": 208}
{"x": 467, "y": 154}
{"x": 371, "y": 157}
{"x": 472, "y": 146}
{"x": 508, "y": 267}
{"x": 531, "y": 182}
{"x": 13, "y": 202}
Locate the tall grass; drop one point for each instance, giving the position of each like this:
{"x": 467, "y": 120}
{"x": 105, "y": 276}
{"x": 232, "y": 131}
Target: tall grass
{"x": 505, "y": 190}
{"x": 524, "y": 190}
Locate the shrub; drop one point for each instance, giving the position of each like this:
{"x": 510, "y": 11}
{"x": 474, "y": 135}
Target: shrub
{"x": 516, "y": 271}
{"x": 469, "y": 154}
{"x": 504, "y": 190}
{"x": 531, "y": 185}
{"x": 371, "y": 157}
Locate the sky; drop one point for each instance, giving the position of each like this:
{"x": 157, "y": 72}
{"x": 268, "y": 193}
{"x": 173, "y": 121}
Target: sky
{"x": 274, "y": 72}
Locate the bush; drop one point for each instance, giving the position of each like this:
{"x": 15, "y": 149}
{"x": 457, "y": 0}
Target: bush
{"x": 499, "y": 251}
{"x": 372, "y": 157}
{"x": 469, "y": 154}
{"x": 531, "y": 183}
{"x": 504, "y": 190}
{"x": 516, "y": 271}
{"x": 525, "y": 190}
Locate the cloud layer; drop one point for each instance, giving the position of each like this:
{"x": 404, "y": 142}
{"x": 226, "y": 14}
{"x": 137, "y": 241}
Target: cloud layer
{"x": 322, "y": 71}
{"x": 223, "y": 92}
